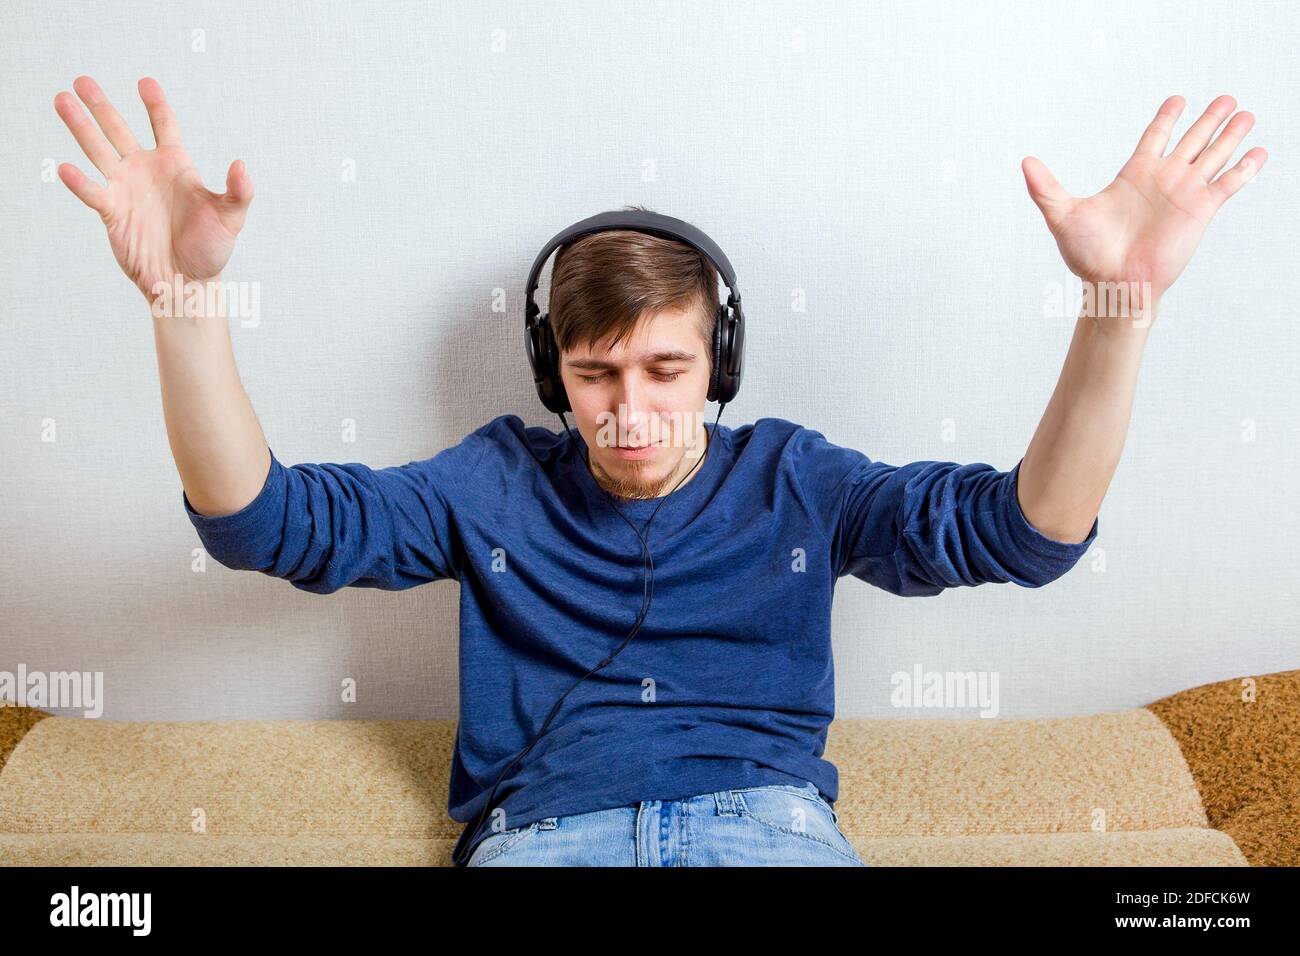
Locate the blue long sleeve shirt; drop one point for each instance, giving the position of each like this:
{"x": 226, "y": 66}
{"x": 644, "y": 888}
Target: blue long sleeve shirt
{"x": 729, "y": 682}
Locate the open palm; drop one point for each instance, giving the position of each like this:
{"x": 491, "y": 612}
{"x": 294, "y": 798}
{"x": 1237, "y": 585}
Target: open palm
{"x": 1146, "y": 224}
{"x": 161, "y": 220}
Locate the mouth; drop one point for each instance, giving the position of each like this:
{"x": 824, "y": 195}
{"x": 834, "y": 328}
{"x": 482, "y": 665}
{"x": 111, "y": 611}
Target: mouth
{"x": 635, "y": 452}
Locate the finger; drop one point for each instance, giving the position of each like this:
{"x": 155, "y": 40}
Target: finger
{"x": 88, "y": 136}
{"x": 166, "y": 131}
{"x": 1156, "y": 137}
{"x": 115, "y": 128}
{"x": 239, "y": 193}
{"x": 1216, "y": 154}
{"x": 89, "y": 192}
{"x": 1049, "y": 195}
{"x": 1199, "y": 134}
{"x": 1227, "y": 184}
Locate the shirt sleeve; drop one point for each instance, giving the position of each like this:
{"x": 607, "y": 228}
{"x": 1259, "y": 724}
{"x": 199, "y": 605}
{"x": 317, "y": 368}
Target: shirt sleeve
{"x": 323, "y": 527}
{"x": 920, "y": 528}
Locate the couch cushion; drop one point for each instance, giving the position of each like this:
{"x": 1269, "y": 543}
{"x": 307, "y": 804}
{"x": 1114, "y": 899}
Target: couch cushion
{"x": 925, "y": 777}
{"x": 1192, "y": 846}
{"x": 15, "y": 722}
{"x": 169, "y": 849}
{"x": 248, "y": 778}
{"x": 969, "y": 776}
{"x": 1104, "y": 789}
{"x": 1186, "y": 846}
{"x": 1241, "y": 740}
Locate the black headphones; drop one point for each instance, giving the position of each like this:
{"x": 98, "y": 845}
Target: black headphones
{"x": 544, "y": 357}
{"x": 728, "y": 330}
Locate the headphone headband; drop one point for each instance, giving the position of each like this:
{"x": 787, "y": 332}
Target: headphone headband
{"x": 651, "y": 222}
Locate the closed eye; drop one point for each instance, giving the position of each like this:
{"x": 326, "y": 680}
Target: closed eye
{"x": 659, "y": 376}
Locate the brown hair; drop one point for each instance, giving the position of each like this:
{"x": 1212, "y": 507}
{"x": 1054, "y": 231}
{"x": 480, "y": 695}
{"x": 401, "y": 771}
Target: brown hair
{"x": 603, "y": 283}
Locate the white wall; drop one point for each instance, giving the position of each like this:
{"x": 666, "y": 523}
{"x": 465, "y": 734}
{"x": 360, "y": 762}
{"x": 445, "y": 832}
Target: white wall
{"x": 867, "y": 155}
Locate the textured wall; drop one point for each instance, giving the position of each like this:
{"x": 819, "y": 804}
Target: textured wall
{"x": 859, "y": 164}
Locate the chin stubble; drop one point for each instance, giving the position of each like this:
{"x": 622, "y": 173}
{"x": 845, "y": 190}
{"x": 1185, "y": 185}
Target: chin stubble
{"x": 634, "y": 485}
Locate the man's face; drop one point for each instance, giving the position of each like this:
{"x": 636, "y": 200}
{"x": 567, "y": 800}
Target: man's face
{"x": 640, "y": 406}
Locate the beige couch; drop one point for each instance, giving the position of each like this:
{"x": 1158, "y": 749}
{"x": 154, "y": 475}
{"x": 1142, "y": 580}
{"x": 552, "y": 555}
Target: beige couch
{"x": 1204, "y": 777}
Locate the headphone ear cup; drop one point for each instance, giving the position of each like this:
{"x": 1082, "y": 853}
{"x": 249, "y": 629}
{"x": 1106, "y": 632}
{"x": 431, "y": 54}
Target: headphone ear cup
{"x": 735, "y": 354}
{"x": 715, "y": 379}
{"x": 560, "y": 400}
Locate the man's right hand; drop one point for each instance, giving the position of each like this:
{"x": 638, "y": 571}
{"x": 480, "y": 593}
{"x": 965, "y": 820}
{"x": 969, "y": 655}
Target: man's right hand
{"x": 161, "y": 220}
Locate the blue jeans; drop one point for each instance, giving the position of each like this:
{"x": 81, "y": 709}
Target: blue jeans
{"x": 777, "y": 825}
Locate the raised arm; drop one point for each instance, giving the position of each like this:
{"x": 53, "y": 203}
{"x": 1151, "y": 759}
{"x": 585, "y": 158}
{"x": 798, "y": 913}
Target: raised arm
{"x": 166, "y": 230}
{"x": 917, "y": 529}
{"x": 323, "y": 527}
{"x": 1128, "y": 244}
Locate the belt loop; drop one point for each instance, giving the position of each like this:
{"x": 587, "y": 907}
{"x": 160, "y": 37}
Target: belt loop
{"x": 726, "y": 803}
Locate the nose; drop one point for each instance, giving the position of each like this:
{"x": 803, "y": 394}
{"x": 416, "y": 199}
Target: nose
{"x": 635, "y": 419}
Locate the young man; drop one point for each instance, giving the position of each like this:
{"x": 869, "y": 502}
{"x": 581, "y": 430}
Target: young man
{"x": 700, "y": 741}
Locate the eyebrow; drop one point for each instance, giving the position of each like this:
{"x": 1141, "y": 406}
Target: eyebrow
{"x": 674, "y": 355}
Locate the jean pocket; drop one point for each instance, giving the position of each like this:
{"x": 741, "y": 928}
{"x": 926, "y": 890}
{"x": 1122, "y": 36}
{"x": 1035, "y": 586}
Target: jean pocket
{"x": 808, "y": 792}
{"x": 797, "y": 810}
{"x": 496, "y": 845}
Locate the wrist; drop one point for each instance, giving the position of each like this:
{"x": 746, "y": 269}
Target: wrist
{"x": 1116, "y": 306}
{"x": 178, "y": 297}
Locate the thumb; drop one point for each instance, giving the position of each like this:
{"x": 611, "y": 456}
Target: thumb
{"x": 1049, "y": 195}
{"x": 239, "y": 193}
